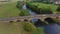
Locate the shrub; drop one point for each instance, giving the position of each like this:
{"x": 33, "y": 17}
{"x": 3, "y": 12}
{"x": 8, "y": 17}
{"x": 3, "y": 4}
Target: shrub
{"x": 29, "y": 27}
{"x": 39, "y": 30}
{"x": 47, "y": 2}
{"x": 38, "y": 10}
{"x": 45, "y": 11}
{"x": 24, "y": 13}
{"x": 58, "y": 9}
{"x": 57, "y": 20}
{"x": 19, "y": 5}
{"x": 46, "y": 23}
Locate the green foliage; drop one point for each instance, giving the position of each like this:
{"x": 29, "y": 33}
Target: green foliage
{"x": 29, "y": 27}
{"x": 46, "y": 11}
{"x": 27, "y": 1}
{"x": 24, "y": 13}
{"x": 58, "y": 9}
{"x": 43, "y": 5}
{"x": 39, "y": 30}
{"x": 19, "y": 5}
{"x": 46, "y": 23}
{"x": 57, "y": 21}
{"x": 48, "y": 2}
{"x": 40, "y": 10}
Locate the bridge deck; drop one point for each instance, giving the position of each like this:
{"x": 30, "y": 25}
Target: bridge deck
{"x": 22, "y": 17}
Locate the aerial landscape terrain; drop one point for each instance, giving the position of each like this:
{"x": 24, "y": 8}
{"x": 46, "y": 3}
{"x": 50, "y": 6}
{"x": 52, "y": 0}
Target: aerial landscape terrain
{"x": 29, "y": 16}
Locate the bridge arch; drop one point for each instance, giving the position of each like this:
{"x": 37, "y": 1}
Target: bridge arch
{"x": 57, "y": 17}
{"x": 49, "y": 20}
{"x": 25, "y": 20}
{"x": 18, "y": 20}
{"x": 37, "y": 21}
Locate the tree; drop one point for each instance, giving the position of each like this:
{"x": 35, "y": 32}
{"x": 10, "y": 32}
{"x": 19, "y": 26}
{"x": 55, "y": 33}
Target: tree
{"x": 58, "y": 9}
{"x": 39, "y": 30}
{"x": 29, "y": 27}
{"x": 45, "y": 11}
{"x": 27, "y": 1}
{"x": 19, "y": 5}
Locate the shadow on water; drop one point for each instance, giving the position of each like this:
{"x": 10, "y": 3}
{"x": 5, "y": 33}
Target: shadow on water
{"x": 37, "y": 22}
{"x": 50, "y": 20}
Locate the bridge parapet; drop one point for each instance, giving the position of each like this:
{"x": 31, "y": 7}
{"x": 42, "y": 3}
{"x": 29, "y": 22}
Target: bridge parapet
{"x": 29, "y": 18}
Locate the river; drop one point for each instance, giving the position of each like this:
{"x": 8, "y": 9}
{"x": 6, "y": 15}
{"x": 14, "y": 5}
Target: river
{"x": 31, "y": 12}
{"x": 52, "y": 29}
{"x": 48, "y": 29}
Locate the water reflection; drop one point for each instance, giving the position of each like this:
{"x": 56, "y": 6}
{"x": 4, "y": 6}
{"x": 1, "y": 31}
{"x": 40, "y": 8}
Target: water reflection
{"x": 34, "y": 20}
{"x": 52, "y": 29}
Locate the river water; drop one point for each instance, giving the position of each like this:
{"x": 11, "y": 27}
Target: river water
{"x": 52, "y": 29}
{"x": 48, "y": 29}
{"x": 31, "y": 12}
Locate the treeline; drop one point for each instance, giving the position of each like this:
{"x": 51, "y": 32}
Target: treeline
{"x": 41, "y": 8}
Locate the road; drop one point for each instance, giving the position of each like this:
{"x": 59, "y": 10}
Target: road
{"x": 23, "y": 17}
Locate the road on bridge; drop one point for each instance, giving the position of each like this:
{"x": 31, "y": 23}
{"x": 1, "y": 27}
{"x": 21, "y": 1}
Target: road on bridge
{"x": 22, "y": 17}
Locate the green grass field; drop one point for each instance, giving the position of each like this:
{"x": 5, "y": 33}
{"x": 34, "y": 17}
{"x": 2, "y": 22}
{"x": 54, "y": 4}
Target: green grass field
{"x": 8, "y": 10}
{"x": 12, "y": 28}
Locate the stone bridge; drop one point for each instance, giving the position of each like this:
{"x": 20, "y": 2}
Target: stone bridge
{"x": 42, "y": 17}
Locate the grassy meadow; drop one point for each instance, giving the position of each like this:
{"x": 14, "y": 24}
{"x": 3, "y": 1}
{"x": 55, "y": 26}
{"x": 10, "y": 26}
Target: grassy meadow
{"x": 8, "y": 10}
{"x": 12, "y": 28}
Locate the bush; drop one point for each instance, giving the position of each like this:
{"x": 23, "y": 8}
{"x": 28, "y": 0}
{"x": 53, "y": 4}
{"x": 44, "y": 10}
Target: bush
{"x": 40, "y": 10}
{"x": 46, "y": 23}
{"x": 57, "y": 21}
{"x": 29, "y": 27}
{"x": 47, "y": 2}
{"x": 58, "y": 9}
{"x": 19, "y": 5}
{"x": 45, "y": 11}
{"x": 24, "y": 13}
{"x": 39, "y": 30}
